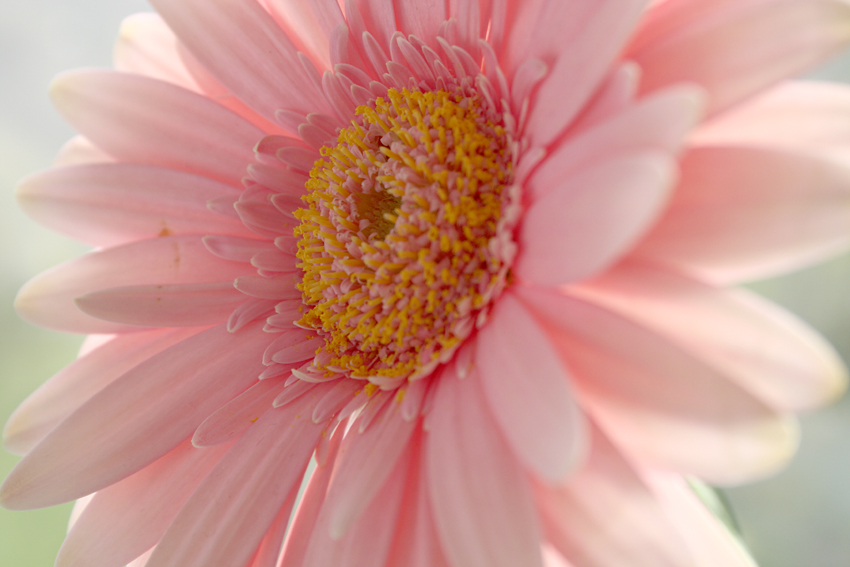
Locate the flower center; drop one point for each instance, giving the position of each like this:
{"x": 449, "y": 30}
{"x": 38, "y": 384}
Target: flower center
{"x": 405, "y": 242}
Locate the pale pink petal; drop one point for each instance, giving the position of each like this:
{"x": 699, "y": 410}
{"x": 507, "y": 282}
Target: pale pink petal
{"x": 237, "y": 415}
{"x": 309, "y": 24}
{"x": 803, "y": 116}
{"x": 755, "y": 343}
{"x": 142, "y": 120}
{"x": 614, "y": 95}
{"x": 250, "y": 310}
{"x": 481, "y": 498}
{"x": 148, "y": 47}
{"x": 556, "y": 31}
{"x": 79, "y": 506}
{"x": 552, "y": 557}
{"x": 282, "y": 287}
{"x": 744, "y": 213}
{"x": 264, "y": 218}
{"x": 48, "y": 299}
{"x": 469, "y": 22}
{"x": 413, "y": 397}
{"x": 115, "y": 528}
{"x": 307, "y": 513}
{"x": 226, "y": 518}
{"x": 60, "y": 396}
{"x": 142, "y": 560}
{"x": 416, "y": 543}
{"x": 527, "y": 388}
{"x": 735, "y": 48}
{"x": 211, "y": 88}
{"x": 659, "y": 402}
{"x": 236, "y": 249}
{"x": 242, "y": 46}
{"x": 594, "y": 217}
{"x": 421, "y": 19}
{"x": 137, "y": 418}
{"x": 297, "y": 352}
{"x": 336, "y": 399}
{"x": 163, "y": 305}
{"x": 368, "y": 541}
{"x": 292, "y": 390}
{"x": 708, "y": 539}
{"x": 286, "y": 341}
{"x": 378, "y": 17}
{"x": 605, "y": 516}
{"x": 268, "y": 552}
{"x": 110, "y": 204}
{"x": 658, "y": 122}
{"x": 366, "y": 460}
{"x": 80, "y": 151}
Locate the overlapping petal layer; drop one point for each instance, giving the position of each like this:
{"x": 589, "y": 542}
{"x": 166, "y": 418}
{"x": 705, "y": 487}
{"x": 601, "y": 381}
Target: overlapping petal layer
{"x": 626, "y": 159}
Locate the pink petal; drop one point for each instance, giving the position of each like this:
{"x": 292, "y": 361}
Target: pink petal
{"x": 237, "y": 415}
{"x": 556, "y": 32}
{"x": 282, "y": 287}
{"x": 378, "y": 17}
{"x": 605, "y": 516}
{"x": 141, "y": 560}
{"x": 163, "y": 305}
{"x": 79, "y": 507}
{"x": 148, "y": 47}
{"x": 128, "y": 518}
{"x": 242, "y": 46}
{"x": 743, "y": 213}
{"x": 48, "y": 299}
{"x": 369, "y": 540}
{"x": 756, "y": 344}
{"x": 708, "y": 539}
{"x": 307, "y": 513}
{"x": 731, "y": 47}
{"x": 137, "y": 418}
{"x": 587, "y": 222}
{"x": 209, "y": 86}
{"x": 365, "y": 462}
{"x": 528, "y": 391}
{"x": 416, "y": 543}
{"x": 304, "y": 350}
{"x": 236, "y": 249}
{"x": 468, "y": 16}
{"x": 250, "y": 310}
{"x": 422, "y": 18}
{"x": 268, "y": 552}
{"x": 336, "y": 399}
{"x": 803, "y": 116}
{"x": 309, "y": 24}
{"x": 227, "y": 516}
{"x": 658, "y": 122}
{"x": 659, "y": 402}
{"x": 614, "y": 95}
{"x": 60, "y": 396}
{"x": 481, "y": 498}
{"x": 80, "y": 151}
{"x": 141, "y": 120}
{"x": 110, "y": 204}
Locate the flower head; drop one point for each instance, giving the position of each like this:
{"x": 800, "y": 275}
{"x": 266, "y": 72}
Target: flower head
{"x": 470, "y": 257}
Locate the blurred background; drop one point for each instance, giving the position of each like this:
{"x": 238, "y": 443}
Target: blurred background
{"x": 800, "y": 518}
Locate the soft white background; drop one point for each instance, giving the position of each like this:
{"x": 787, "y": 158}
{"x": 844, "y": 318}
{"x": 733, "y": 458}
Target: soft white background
{"x": 800, "y": 518}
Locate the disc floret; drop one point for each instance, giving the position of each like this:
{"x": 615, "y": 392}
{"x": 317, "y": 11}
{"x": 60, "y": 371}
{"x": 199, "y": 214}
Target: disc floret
{"x": 407, "y": 234}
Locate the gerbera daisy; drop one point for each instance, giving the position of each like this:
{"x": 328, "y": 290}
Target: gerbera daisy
{"x": 470, "y": 257}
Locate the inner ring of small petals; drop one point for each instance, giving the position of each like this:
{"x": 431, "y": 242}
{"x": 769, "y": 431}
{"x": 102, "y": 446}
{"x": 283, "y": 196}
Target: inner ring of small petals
{"x": 400, "y": 239}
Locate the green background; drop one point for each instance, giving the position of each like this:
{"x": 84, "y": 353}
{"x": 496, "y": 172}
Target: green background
{"x": 799, "y": 518}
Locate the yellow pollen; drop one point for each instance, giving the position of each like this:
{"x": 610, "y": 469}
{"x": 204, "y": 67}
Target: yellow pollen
{"x": 396, "y": 238}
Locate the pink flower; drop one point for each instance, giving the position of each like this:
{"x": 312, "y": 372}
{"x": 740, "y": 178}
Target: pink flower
{"x": 480, "y": 252}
